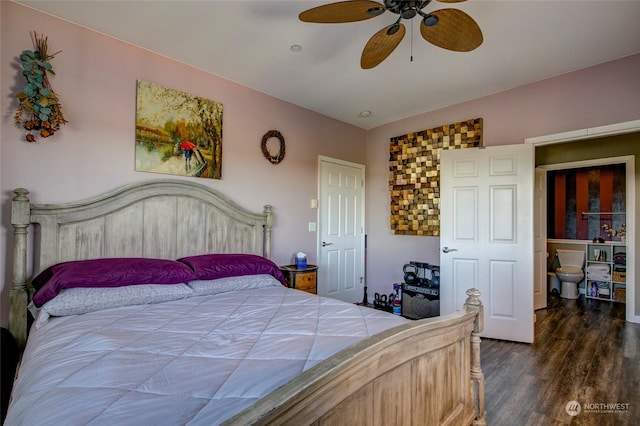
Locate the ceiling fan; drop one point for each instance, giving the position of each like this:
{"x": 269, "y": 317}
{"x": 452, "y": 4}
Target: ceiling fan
{"x": 450, "y": 29}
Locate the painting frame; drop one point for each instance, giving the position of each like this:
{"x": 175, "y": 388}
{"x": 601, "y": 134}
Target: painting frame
{"x": 177, "y": 133}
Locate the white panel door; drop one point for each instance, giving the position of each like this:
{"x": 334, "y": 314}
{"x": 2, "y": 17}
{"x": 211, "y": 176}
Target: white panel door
{"x": 486, "y": 239}
{"x": 341, "y": 230}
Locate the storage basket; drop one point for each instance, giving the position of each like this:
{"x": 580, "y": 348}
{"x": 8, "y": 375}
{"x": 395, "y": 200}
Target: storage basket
{"x": 620, "y": 294}
{"x": 620, "y": 276}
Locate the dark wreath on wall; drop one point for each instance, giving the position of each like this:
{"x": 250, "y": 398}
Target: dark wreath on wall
{"x": 279, "y": 156}
{"x": 414, "y": 174}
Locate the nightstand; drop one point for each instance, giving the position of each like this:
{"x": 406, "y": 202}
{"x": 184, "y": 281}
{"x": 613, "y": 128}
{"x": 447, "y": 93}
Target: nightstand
{"x": 301, "y": 279}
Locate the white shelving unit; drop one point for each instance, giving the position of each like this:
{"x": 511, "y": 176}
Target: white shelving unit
{"x": 605, "y": 271}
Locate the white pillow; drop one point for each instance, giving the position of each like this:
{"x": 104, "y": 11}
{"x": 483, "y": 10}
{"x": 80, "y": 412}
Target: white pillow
{"x": 221, "y": 285}
{"x": 80, "y": 300}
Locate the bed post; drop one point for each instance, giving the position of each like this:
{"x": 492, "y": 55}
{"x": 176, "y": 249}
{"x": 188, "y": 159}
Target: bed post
{"x": 473, "y": 302}
{"x": 19, "y": 294}
{"x": 266, "y": 249}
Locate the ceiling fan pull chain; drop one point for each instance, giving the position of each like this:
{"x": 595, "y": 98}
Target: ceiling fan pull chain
{"x": 411, "y": 42}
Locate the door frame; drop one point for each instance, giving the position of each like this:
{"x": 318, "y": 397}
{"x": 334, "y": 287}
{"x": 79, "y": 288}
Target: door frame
{"x": 540, "y": 254}
{"x": 629, "y": 160}
{"x": 324, "y": 159}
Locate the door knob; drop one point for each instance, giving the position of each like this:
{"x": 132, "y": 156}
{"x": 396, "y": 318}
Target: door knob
{"x": 326, "y": 244}
{"x": 447, "y": 249}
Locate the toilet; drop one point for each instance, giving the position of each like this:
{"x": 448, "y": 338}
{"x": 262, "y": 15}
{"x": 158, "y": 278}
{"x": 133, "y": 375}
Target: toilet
{"x": 570, "y": 272}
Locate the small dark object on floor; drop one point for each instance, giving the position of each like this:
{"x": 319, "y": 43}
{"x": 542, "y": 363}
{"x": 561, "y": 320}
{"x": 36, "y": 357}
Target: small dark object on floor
{"x": 383, "y": 302}
{"x": 365, "y": 298}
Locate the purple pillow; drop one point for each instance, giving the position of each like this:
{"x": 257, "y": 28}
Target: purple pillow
{"x": 213, "y": 266}
{"x": 113, "y": 272}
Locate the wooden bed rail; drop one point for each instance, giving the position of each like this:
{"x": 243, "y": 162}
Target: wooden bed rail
{"x": 19, "y": 294}
{"x": 424, "y": 373}
{"x": 474, "y": 303}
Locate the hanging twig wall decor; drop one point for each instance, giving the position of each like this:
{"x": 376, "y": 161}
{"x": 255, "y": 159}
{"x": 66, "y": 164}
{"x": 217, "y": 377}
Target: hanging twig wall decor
{"x": 39, "y": 105}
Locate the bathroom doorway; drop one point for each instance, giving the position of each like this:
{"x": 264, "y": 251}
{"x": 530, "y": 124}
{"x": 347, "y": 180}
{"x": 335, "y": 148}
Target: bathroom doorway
{"x": 582, "y": 198}
{"x": 552, "y": 156}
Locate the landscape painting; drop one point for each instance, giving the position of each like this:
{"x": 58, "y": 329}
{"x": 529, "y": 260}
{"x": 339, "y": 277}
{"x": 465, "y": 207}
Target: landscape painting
{"x": 177, "y": 133}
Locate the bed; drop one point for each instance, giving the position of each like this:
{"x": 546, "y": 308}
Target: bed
{"x": 158, "y": 303}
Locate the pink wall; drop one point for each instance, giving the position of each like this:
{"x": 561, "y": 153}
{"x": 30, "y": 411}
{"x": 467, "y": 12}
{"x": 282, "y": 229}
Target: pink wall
{"x": 96, "y": 80}
{"x": 604, "y": 94}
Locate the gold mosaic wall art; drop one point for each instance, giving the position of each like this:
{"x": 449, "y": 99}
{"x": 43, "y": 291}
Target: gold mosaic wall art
{"x": 414, "y": 174}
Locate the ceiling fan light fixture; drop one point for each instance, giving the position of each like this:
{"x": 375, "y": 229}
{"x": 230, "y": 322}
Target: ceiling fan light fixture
{"x": 408, "y": 13}
{"x": 393, "y": 29}
{"x": 375, "y": 11}
{"x": 430, "y": 20}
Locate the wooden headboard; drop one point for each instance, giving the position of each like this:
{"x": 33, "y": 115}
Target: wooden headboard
{"x": 165, "y": 219}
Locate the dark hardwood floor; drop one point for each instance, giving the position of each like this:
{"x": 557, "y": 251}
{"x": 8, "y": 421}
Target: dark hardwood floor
{"x": 584, "y": 351}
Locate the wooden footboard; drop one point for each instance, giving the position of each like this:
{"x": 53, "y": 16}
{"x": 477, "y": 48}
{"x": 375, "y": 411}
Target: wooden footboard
{"x": 424, "y": 373}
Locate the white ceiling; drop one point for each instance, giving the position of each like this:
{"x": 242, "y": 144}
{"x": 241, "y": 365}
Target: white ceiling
{"x": 249, "y": 42}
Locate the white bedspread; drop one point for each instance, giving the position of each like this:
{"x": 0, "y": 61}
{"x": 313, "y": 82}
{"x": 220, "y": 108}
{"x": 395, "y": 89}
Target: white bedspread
{"x": 196, "y": 361}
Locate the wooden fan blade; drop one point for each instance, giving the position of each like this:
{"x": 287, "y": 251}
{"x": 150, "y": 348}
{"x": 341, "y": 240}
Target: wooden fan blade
{"x": 455, "y": 30}
{"x": 380, "y": 46}
{"x": 344, "y": 11}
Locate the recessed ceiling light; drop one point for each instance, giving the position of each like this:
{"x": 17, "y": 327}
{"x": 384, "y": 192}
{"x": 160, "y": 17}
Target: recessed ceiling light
{"x": 365, "y": 114}
{"x": 296, "y": 48}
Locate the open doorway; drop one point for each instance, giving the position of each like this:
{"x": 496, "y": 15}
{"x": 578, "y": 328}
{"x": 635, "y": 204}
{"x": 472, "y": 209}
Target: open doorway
{"x": 583, "y": 197}
{"x": 606, "y": 150}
